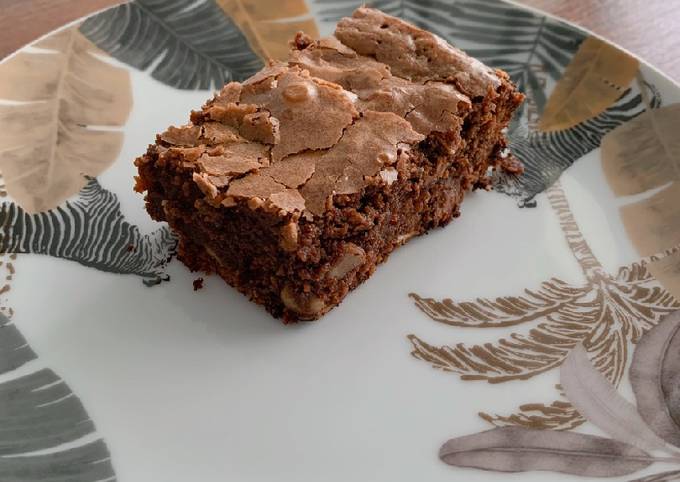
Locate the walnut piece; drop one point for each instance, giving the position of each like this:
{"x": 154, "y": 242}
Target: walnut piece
{"x": 305, "y": 305}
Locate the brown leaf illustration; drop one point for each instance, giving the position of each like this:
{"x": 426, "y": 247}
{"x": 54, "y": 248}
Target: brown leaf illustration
{"x": 593, "y": 80}
{"x": 270, "y": 24}
{"x": 499, "y": 312}
{"x": 655, "y": 377}
{"x": 518, "y": 357}
{"x": 599, "y": 402}
{"x": 60, "y": 128}
{"x": 559, "y": 415}
{"x": 643, "y": 153}
{"x": 515, "y": 449}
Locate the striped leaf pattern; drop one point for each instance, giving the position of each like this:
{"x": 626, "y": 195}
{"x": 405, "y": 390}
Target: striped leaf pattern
{"x": 39, "y": 414}
{"x": 90, "y": 230}
{"x": 547, "y": 154}
{"x": 186, "y": 44}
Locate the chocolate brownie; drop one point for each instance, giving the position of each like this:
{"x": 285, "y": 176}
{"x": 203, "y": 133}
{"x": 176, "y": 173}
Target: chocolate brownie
{"x": 295, "y": 184}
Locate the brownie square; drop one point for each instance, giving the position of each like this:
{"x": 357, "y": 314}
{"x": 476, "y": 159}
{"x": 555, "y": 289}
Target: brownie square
{"x": 295, "y": 184}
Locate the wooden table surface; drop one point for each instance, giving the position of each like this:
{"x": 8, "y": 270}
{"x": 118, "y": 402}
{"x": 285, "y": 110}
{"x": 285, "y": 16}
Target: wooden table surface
{"x": 648, "y": 28}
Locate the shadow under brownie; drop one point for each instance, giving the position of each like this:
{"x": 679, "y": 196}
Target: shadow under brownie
{"x": 294, "y": 185}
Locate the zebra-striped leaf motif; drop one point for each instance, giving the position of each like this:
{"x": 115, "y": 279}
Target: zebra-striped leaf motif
{"x": 41, "y": 413}
{"x": 52, "y": 136}
{"x": 186, "y": 44}
{"x": 546, "y": 155}
{"x": 90, "y": 230}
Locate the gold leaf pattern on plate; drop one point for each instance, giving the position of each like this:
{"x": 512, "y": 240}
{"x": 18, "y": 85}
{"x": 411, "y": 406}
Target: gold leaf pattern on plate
{"x": 270, "y": 24}
{"x": 57, "y": 129}
{"x": 596, "y": 76}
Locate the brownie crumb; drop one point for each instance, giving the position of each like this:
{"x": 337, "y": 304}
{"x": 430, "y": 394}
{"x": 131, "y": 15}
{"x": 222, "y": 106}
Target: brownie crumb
{"x": 198, "y": 284}
{"x": 129, "y": 248}
{"x": 302, "y": 41}
{"x": 512, "y": 165}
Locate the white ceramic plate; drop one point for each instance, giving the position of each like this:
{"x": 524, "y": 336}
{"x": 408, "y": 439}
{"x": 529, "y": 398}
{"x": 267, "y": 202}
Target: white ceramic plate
{"x": 112, "y": 367}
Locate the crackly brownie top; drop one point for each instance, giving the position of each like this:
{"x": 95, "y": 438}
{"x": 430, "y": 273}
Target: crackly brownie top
{"x": 413, "y": 53}
{"x": 431, "y": 106}
{"x": 336, "y": 118}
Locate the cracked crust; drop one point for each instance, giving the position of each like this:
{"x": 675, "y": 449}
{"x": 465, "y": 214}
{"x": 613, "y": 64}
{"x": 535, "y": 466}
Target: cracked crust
{"x": 285, "y": 130}
{"x": 431, "y": 106}
{"x": 414, "y": 54}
